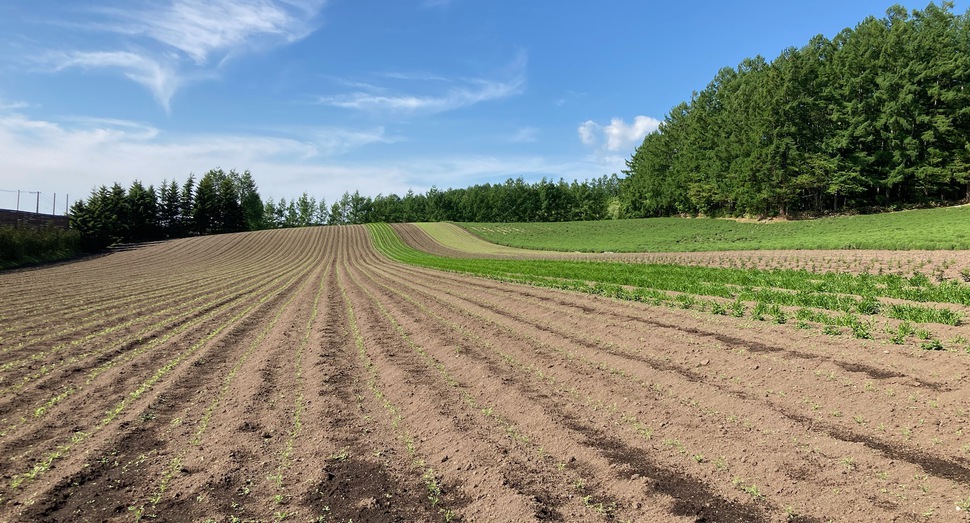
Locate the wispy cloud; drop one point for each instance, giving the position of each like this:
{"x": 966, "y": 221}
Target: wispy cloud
{"x": 200, "y": 28}
{"x": 167, "y": 44}
{"x": 459, "y": 93}
{"x": 332, "y": 141}
{"x": 75, "y": 155}
{"x": 161, "y": 79}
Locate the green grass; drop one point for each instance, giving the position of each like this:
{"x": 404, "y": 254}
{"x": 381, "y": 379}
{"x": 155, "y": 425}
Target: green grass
{"x": 931, "y": 229}
{"x": 850, "y": 296}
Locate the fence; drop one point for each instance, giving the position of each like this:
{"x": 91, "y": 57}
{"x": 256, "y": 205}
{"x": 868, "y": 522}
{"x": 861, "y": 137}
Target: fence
{"x": 36, "y": 202}
{"x": 33, "y": 209}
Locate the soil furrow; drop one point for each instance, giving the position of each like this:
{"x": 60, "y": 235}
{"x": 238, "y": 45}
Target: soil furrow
{"x": 437, "y": 284}
{"x": 301, "y": 375}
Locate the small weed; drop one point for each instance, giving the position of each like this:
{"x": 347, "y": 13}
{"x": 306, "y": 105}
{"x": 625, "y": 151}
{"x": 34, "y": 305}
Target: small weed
{"x": 760, "y": 309}
{"x": 751, "y": 489}
{"x": 778, "y": 315}
{"x": 434, "y": 487}
{"x": 738, "y": 308}
{"x": 861, "y": 330}
{"x": 341, "y": 455}
{"x": 686, "y": 301}
{"x": 868, "y": 306}
{"x": 905, "y": 329}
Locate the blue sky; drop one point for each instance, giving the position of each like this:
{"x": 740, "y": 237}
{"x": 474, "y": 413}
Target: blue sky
{"x": 327, "y": 96}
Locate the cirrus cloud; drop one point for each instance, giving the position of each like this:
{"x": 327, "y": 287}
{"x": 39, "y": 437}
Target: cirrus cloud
{"x": 459, "y": 92}
{"x": 165, "y": 45}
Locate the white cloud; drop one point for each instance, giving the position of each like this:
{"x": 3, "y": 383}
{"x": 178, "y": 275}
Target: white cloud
{"x": 611, "y": 142}
{"x": 166, "y": 45}
{"x": 467, "y": 92}
{"x": 617, "y": 136}
{"x": 73, "y": 156}
{"x": 161, "y": 80}
{"x": 588, "y": 131}
{"x": 621, "y": 136}
{"x": 334, "y": 141}
{"x": 199, "y": 28}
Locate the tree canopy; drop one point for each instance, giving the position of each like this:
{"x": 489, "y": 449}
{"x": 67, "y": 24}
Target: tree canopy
{"x": 220, "y": 202}
{"x": 878, "y": 116}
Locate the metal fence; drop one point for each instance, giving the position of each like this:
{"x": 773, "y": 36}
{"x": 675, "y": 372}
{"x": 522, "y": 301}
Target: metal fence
{"x": 35, "y": 202}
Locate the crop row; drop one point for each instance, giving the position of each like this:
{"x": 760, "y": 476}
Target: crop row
{"x": 612, "y": 359}
{"x": 148, "y": 508}
{"x": 155, "y": 344}
{"x": 775, "y": 294}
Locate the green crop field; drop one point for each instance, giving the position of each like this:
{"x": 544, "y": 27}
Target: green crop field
{"x": 930, "y": 229}
{"x": 829, "y": 301}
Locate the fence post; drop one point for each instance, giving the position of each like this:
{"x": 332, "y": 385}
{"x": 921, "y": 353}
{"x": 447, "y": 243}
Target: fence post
{"x": 38, "y": 203}
{"x": 54, "y": 206}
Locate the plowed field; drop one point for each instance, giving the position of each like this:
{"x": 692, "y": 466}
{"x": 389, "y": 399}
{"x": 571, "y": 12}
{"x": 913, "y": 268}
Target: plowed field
{"x": 299, "y": 375}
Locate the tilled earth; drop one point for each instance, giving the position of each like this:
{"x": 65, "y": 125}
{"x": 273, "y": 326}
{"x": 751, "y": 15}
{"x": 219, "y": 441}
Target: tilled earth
{"x": 299, "y": 375}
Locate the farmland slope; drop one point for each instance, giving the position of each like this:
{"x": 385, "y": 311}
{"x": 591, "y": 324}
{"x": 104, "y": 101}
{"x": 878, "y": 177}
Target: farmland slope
{"x": 926, "y": 229}
{"x": 300, "y": 374}
{"x": 447, "y": 239}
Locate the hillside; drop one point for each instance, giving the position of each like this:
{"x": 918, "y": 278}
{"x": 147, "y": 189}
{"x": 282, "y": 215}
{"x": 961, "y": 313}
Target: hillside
{"x": 945, "y": 228}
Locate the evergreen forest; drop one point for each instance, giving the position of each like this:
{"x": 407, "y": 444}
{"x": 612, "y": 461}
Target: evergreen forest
{"x": 878, "y": 117}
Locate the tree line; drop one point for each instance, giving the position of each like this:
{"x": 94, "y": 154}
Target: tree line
{"x": 515, "y": 200}
{"x": 219, "y": 202}
{"x": 223, "y": 202}
{"x": 878, "y": 116}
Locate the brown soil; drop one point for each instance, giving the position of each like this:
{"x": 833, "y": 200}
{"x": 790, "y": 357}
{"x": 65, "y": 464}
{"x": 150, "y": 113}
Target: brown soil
{"x": 297, "y": 375}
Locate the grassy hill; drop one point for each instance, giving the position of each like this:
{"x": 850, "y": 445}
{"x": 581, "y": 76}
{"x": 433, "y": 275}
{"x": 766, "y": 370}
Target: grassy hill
{"x": 931, "y": 229}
